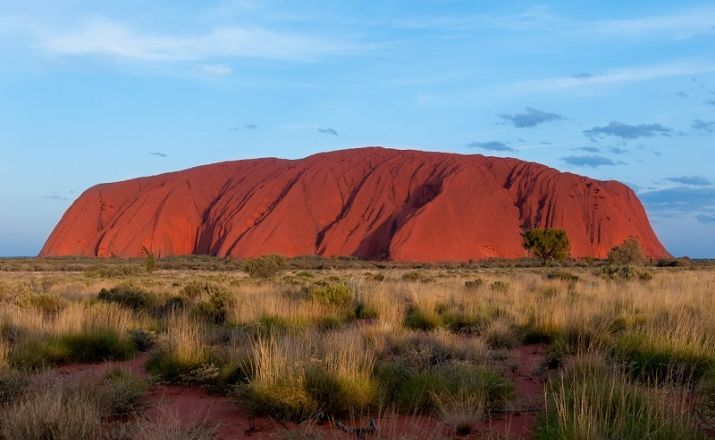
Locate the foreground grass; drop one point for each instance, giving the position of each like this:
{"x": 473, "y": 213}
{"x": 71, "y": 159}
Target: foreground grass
{"x": 309, "y": 345}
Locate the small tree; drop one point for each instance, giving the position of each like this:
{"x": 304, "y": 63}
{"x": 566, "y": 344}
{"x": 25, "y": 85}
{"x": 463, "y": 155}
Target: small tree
{"x": 547, "y": 244}
{"x": 149, "y": 260}
{"x": 628, "y": 252}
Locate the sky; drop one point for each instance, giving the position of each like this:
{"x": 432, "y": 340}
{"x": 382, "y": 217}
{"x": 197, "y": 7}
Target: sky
{"x": 100, "y": 91}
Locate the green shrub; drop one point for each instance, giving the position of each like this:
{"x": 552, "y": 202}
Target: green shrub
{"x": 474, "y": 284}
{"x": 97, "y": 345}
{"x": 217, "y": 308}
{"x": 420, "y": 319}
{"x": 626, "y": 254}
{"x": 416, "y": 277}
{"x": 56, "y": 411}
{"x": 143, "y": 339}
{"x": 171, "y": 367}
{"x": 463, "y": 322}
{"x": 280, "y": 324}
{"x": 499, "y": 286}
{"x": 44, "y": 303}
{"x": 651, "y": 362}
{"x": 391, "y": 376}
{"x": 674, "y": 262}
{"x": 114, "y": 271}
{"x": 197, "y": 289}
{"x": 12, "y": 385}
{"x": 561, "y": 275}
{"x": 328, "y": 293}
{"x": 593, "y": 401}
{"x": 282, "y": 398}
{"x": 422, "y": 391}
{"x": 129, "y": 295}
{"x": 625, "y": 273}
{"x": 264, "y": 267}
{"x": 122, "y": 393}
{"x": 500, "y": 335}
{"x": 365, "y": 311}
{"x": 340, "y": 396}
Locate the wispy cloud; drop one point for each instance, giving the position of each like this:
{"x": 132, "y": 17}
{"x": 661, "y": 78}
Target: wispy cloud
{"x": 618, "y": 150}
{"x": 674, "y": 24}
{"x": 626, "y": 75}
{"x": 216, "y": 70}
{"x": 112, "y": 39}
{"x": 689, "y": 180}
{"x": 593, "y": 161}
{"x": 248, "y": 126}
{"x": 54, "y": 197}
{"x": 589, "y": 149}
{"x": 626, "y": 131}
{"x": 706, "y": 218}
{"x": 682, "y": 199}
{"x": 329, "y": 131}
{"x": 492, "y": 146}
{"x": 706, "y": 126}
{"x": 158, "y": 154}
{"x": 530, "y": 117}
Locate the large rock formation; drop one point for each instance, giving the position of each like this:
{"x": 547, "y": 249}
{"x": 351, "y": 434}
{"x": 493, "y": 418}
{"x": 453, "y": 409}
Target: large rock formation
{"x": 370, "y": 202}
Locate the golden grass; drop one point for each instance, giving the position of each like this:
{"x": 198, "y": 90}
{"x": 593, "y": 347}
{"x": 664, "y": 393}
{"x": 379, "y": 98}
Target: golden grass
{"x": 302, "y": 352}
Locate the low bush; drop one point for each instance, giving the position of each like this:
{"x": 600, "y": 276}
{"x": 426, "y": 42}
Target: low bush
{"x": 217, "y": 307}
{"x": 96, "y": 345}
{"x": 420, "y": 319}
{"x": 627, "y": 253}
{"x": 594, "y": 401}
{"x": 122, "y": 393}
{"x": 674, "y": 262}
{"x": 266, "y": 266}
{"x": 365, "y": 311}
{"x": 171, "y": 426}
{"x": 12, "y": 385}
{"x": 172, "y": 367}
{"x": 142, "y": 339}
{"x": 197, "y": 289}
{"x": 652, "y": 362}
{"x": 56, "y": 411}
{"x": 474, "y": 284}
{"x": 129, "y": 295}
{"x": 44, "y": 303}
{"x": 562, "y": 276}
{"x": 424, "y": 390}
{"x": 340, "y": 395}
{"x": 499, "y": 286}
{"x": 501, "y": 335}
{"x": 625, "y": 273}
{"x": 335, "y": 293}
{"x": 415, "y": 277}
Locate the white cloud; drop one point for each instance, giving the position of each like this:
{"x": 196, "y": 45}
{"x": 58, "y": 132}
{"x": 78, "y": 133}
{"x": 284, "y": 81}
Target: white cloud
{"x": 634, "y": 74}
{"x": 217, "y": 70}
{"x": 106, "y": 38}
{"x": 683, "y": 23}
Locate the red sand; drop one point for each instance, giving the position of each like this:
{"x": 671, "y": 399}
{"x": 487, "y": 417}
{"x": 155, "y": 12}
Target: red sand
{"x": 370, "y": 202}
{"x": 195, "y": 404}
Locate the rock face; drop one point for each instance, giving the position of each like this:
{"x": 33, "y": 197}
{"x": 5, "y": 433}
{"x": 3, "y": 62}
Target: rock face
{"x": 372, "y": 203}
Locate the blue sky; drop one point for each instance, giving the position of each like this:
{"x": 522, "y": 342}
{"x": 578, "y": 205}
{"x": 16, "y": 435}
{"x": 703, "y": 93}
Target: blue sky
{"x": 97, "y": 91}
